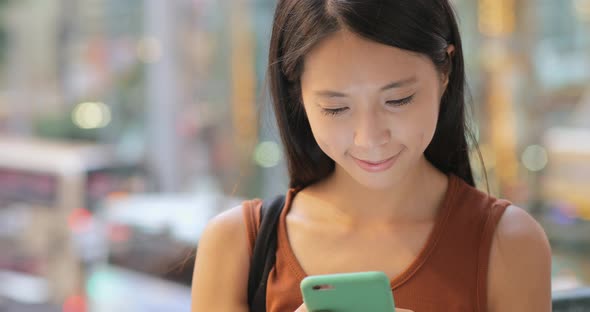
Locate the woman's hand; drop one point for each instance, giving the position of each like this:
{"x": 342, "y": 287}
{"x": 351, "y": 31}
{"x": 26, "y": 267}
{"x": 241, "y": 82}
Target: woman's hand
{"x": 301, "y": 308}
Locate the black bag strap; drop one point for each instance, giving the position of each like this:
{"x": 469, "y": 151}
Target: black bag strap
{"x": 263, "y": 254}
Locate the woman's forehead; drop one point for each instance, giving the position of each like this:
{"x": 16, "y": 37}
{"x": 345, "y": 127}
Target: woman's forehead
{"x": 345, "y": 59}
{"x": 344, "y": 53}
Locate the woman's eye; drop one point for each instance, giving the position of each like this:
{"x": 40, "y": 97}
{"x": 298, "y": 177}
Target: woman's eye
{"x": 395, "y": 103}
{"x": 401, "y": 102}
{"x": 333, "y": 111}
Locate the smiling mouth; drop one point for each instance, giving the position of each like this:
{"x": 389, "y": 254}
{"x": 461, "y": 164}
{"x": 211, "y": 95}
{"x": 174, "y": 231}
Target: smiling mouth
{"x": 375, "y": 162}
{"x": 376, "y": 166}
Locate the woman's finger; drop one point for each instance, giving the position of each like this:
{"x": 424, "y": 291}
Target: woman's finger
{"x": 301, "y": 308}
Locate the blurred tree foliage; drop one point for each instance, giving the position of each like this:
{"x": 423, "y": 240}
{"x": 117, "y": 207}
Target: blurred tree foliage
{"x": 60, "y": 126}
{"x": 3, "y": 32}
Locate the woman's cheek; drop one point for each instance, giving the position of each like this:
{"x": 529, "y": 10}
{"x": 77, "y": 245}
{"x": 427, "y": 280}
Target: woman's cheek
{"x": 329, "y": 143}
{"x": 336, "y": 141}
{"x": 424, "y": 126}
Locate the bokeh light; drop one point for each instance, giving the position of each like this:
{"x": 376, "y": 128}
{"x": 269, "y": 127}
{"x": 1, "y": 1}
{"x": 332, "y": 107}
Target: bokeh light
{"x": 267, "y": 154}
{"x": 534, "y": 158}
{"x": 91, "y": 115}
{"x": 149, "y": 50}
{"x": 75, "y": 304}
{"x": 102, "y": 285}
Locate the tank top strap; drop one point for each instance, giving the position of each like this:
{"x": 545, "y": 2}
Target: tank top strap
{"x": 251, "y": 212}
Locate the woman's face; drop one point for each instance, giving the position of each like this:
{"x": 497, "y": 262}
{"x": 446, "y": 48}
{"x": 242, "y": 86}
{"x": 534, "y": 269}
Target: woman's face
{"x": 372, "y": 108}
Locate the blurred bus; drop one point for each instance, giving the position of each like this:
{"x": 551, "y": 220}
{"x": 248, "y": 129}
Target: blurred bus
{"x": 565, "y": 194}
{"x": 48, "y": 193}
{"x": 565, "y": 185}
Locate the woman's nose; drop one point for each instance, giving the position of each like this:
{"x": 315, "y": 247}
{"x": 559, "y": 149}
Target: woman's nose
{"x": 371, "y": 130}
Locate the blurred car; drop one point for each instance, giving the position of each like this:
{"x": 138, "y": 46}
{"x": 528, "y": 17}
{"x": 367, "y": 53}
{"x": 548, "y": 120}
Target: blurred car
{"x": 152, "y": 239}
{"x": 48, "y": 193}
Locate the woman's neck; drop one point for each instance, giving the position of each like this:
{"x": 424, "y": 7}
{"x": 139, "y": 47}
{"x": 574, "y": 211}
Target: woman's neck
{"x": 415, "y": 199}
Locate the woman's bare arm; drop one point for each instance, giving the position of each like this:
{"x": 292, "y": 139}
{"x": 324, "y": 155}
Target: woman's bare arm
{"x": 520, "y": 265}
{"x": 222, "y": 264}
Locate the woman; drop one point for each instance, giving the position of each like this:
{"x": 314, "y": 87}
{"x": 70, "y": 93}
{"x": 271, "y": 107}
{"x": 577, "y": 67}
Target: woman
{"x": 369, "y": 99}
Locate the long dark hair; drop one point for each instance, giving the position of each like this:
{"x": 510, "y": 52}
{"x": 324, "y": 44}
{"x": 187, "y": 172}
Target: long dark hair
{"x": 423, "y": 26}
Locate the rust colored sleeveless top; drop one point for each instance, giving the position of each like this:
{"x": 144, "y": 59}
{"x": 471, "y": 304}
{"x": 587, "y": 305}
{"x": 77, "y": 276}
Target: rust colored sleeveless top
{"x": 449, "y": 273}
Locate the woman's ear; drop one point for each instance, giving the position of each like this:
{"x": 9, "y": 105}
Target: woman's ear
{"x": 450, "y": 50}
{"x": 447, "y": 73}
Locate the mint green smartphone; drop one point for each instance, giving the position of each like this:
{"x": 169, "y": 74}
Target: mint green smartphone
{"x": 348, "y": 292}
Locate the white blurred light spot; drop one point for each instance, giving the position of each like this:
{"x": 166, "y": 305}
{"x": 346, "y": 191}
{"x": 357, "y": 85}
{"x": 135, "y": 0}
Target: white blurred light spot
{"x": 149, "y": 50}
{"x": 534, "y": 158}
{"x": 23, "y": 287}
{"x": 267, "y": 154}
{"x": 91, "y": 115}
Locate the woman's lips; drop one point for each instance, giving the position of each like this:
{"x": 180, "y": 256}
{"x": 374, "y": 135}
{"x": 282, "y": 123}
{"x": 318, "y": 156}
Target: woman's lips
{"x": 376, "y": 166}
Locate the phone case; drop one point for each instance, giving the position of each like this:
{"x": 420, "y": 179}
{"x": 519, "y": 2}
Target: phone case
{"x": 348, "y": 292}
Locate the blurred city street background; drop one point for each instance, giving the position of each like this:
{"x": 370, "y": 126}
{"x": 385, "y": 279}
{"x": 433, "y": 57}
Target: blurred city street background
{"x": 126, "y": 124}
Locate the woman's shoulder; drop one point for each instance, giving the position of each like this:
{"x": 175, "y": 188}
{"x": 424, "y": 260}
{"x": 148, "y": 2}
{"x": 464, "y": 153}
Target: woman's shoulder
{"x": 518, "y": 229}
{"x": 519, "y": 272}
{"x": 520, "y": 263}
{"x": 224, "y": 235}
{"x": 516, "y": 224}
{"x": 513, "y": 225}
{"x": 222, "y": 262}
{"x": 227, "y": 223}
{"x": 229, "y": 226}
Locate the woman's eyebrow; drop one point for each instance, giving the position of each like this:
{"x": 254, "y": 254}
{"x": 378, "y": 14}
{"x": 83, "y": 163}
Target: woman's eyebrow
{"x": 392, "y": 85}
